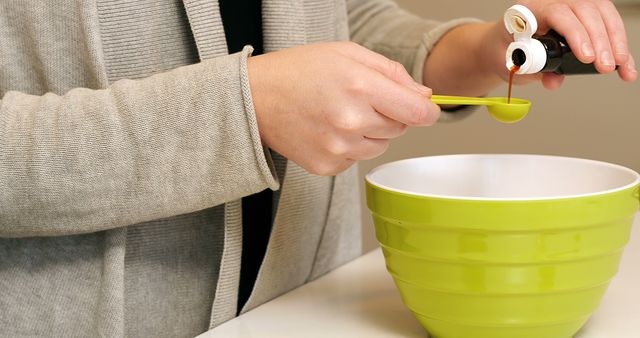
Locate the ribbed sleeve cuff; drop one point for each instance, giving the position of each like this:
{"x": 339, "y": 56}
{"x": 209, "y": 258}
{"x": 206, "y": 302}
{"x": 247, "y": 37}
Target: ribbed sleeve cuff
{"x": 264, "y": 162}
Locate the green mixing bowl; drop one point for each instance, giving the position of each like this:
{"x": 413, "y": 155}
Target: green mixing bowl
{"x": 502, "y": 246}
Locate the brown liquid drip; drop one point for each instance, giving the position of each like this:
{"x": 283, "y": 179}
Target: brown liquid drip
{"x": 512, "y": 72}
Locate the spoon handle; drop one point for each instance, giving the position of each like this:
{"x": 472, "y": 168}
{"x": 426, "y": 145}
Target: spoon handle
{"x": 460, "y": 100}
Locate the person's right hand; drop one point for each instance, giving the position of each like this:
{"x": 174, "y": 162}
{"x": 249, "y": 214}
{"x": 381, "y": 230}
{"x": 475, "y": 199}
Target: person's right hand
{"x": 594, "y": 30}
{"x": 325, "y": 106}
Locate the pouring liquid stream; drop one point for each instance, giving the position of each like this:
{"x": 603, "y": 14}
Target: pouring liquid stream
{"x": 512, "y": 72}
{"x": 502, "y": 110}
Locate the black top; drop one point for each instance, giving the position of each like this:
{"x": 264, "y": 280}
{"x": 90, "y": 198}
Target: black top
{"x": 242, "y": 21}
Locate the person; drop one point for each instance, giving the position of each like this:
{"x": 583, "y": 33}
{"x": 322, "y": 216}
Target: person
{"x": 156, "y": 179}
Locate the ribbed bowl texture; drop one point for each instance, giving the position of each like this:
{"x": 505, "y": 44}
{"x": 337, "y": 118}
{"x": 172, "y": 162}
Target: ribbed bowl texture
{"x": 502, "y": 246}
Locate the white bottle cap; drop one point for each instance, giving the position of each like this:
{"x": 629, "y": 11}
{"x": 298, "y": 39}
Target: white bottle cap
{"x": 521, "y": 22}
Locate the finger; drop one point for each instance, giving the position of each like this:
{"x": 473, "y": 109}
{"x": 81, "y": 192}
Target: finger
{"x": 369, "y": 148}
{"x": 382, "y": 127}
{"x": 552, "y": 81}
{"x": 344, "y": 165}
{"x": 590, "y": 17}
{"x": 564, "y": 21}
{"x": 400, "y": 103}
{"x": 391, "y": 69}
{"x": 616, "y": 31}
{"x": 327, "y": 165}
{"x": 363, "y": 120}
{"x": 628, "y": 71}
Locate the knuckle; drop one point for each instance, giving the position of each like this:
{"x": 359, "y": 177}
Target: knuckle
{"x": 605, "y": 3}
{"x": 396, "y": 68}
{"x": 585, "y": 6}
{"x": 336, "y": 147}
{"x": 350, "y": 123}
{"x": 555, "y": 9}
{"x": 356, "y": 85}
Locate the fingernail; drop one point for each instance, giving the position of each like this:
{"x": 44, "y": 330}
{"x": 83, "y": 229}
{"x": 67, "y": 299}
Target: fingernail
{"x": 587, "y": 50}
{"x": 621, "y": 49}
{"x": 606, "y": 58}
{"x": 424, "y": 90}
{"x": 631, "y": 66}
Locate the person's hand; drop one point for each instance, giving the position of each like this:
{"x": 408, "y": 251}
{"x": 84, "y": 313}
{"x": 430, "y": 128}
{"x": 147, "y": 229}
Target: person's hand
{"x": 594, "y": 30}
{"x": 325, "y": 106}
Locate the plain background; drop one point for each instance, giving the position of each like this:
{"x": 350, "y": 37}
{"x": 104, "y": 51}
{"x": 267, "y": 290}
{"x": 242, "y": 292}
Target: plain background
{"x": 590, "y": 116}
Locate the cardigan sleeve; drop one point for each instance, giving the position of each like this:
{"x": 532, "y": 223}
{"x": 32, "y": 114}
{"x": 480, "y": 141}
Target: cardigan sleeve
{"x": 169, "y": 144}
{"x": 383, "y": 27}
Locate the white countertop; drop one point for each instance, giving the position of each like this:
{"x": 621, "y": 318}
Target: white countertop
{"x": 360, "y": 299}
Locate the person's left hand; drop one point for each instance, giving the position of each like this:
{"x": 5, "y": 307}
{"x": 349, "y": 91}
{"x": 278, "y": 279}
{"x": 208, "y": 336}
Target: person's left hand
{"x": 594, "y": 30}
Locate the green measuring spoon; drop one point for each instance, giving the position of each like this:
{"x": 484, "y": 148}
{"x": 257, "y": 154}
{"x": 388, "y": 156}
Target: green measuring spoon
{"x": 497, "y": 106}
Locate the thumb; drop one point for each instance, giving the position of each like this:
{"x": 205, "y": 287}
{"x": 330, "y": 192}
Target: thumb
{"x": 391, "y": 69}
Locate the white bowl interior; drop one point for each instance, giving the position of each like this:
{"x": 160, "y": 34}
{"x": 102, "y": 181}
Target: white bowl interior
{"x": 502, "y": 177}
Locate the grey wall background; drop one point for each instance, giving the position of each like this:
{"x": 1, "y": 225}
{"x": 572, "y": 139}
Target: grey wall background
{"x": 594, "y": 116}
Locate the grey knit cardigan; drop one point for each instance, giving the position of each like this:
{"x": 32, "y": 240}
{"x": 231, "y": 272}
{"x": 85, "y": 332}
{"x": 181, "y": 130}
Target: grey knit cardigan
{"x": 128, "y": 137}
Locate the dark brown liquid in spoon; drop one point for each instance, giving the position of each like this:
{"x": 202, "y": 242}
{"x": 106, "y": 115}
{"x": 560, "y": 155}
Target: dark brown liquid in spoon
{"x": 512, "y": 72}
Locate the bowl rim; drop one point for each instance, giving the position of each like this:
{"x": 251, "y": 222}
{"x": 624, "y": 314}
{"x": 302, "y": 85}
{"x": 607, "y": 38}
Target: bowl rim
{"x": 504, "y": 199}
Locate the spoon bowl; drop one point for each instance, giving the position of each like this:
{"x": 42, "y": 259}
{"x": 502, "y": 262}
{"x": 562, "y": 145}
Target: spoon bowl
{"x": 511, "y": 112}
{"x": 498, "y": 107}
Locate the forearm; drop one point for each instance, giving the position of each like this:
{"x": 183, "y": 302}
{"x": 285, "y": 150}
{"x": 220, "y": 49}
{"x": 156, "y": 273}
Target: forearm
{"x": 383, "y": 27}
{"x": 91, "y": 160}
{"x": 466, "y": 61}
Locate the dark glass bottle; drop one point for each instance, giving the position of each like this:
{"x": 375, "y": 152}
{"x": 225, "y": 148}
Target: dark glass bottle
{"x": 560, "y": 58}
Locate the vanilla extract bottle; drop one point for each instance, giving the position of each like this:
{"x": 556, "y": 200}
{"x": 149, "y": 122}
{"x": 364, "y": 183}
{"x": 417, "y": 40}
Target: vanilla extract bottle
{"x": 559, "y": 57}
{"x": 532, "y": 54}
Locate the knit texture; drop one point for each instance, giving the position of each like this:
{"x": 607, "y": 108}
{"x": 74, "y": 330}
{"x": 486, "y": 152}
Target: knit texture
{"x": 128, "y": 136}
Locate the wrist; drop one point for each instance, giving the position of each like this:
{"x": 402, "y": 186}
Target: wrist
{"x": 260, "y": 100}
{"x": 468, "y": 60}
